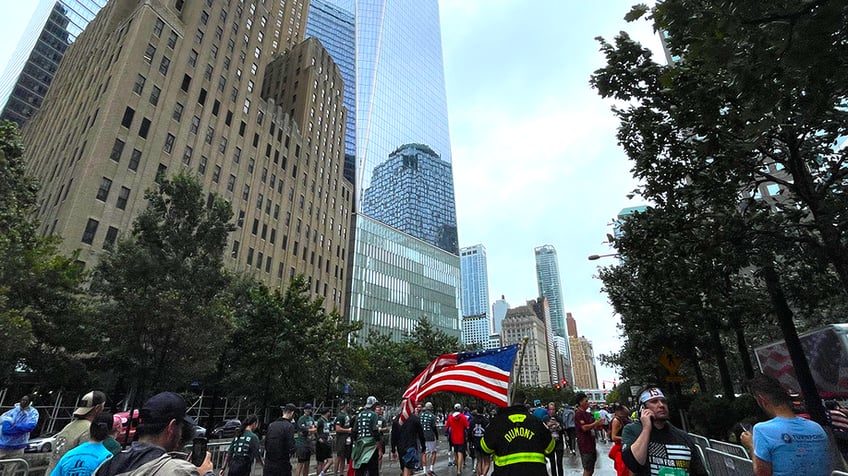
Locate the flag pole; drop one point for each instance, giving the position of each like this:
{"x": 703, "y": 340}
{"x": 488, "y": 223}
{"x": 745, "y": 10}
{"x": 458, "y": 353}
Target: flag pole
{"x": 520, "y": 363}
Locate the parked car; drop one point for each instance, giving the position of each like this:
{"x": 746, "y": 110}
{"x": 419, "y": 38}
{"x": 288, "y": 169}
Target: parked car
{"x": 125, "y": 416}
{"x": 199, "y": 432}
{"x": 226, "y": 429}
{"x": 42, "y": 444}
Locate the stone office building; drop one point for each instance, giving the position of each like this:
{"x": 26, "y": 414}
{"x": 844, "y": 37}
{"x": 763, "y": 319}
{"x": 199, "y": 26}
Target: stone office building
{"x": 227, "y": 90}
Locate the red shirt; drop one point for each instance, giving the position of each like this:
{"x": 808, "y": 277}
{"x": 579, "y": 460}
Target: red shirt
{"x": 585, "y": 439}
{"x": 456, "y": 427}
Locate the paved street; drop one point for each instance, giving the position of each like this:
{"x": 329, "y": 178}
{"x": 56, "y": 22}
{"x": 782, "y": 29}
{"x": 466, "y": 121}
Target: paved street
{"x": 571, "y": 464}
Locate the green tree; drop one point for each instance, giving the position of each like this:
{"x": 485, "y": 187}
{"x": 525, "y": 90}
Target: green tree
{"x": 285, "y": 346}
{"x": 46, "y": 332}
{"x": 161, "y": 289}
{"x": 755, "y": 100}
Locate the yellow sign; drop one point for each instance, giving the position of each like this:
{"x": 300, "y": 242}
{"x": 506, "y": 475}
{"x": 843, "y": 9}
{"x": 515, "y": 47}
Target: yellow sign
{"x": 670, "y": 361}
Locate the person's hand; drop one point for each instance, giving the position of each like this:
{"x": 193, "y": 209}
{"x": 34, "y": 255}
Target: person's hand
{"x": 646, "y": 416}
{"x": 747, "y": 439}
{"x": 206, "y": 467}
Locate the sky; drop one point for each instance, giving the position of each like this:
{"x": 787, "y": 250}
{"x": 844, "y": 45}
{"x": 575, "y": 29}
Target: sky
{"x": 534, "y": 153}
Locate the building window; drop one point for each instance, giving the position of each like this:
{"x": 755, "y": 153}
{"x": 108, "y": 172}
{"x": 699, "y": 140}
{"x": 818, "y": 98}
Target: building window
{"x": 187, "y": 155}
{"x": 160, "y": 173}
{"x": 198, "y": 37}
{"x": 129, "y": 113}
{"x": 172, "y": 39}
{"x": 154, "y": 95}
{"x": 111, "y": 236}
{"x": 237, "y": 155}
{"x": 231, "y": 183}
{"x": 207, "y": 73}
{"x": 250, "y": 256}
{"x": 158, "y": 26}
{"x": 90, "y": 231}
{"x": 144, "y": 128}
{"x": 216, "y": 174}
{"x": 135, "y": 158}
{"x": 192, "y": 58}
{"x": 103, "y": 190}
{"x": 245, "y": 194}
{"x": 169, "y": 143}
{"x": 178, "y": 112}
{"x": 186, "y": 83}
{"x": 163, "y": 65}
{"x": 246, "y": 107}
{"x": 138, "y": 87}
{"x": 222, "y": 147}
{"x": 195, "y": 123}
{"x": 210, "y": 133}
{"x": 204, "y": 17}
{"x": 117, "y": 150}
{"x": 222, "y": 83}
{"x": 235, "y": 250}
{"x": 201, "y": 167}
{"x": 123, "y": 196}
{"x": 149, "y": 53}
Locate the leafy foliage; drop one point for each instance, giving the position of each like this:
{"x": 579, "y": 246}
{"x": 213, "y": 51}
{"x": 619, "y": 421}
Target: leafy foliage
{"x": 160, "y": 290}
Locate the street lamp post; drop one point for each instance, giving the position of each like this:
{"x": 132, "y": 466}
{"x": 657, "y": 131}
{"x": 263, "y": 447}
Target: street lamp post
{"x": 608, "y": 255}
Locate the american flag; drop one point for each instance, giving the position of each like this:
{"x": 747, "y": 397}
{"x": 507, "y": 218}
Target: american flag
{"x": 484, "y": 374}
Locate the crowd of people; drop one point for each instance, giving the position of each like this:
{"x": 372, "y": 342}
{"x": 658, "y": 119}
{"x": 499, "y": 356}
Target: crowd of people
{"x": 520, "y": 439}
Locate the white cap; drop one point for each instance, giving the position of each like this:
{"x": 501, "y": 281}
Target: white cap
{"x": 370, "y": 401}
{"x": 457, "y": 407}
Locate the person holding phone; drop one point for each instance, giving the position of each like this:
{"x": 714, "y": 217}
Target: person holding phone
{"x": 652, "y": 445}
{"x": 164, "y": 429}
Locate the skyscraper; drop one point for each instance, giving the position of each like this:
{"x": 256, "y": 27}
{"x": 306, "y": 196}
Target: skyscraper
{"x": 475, "y": 281}
{"x": 333, "y": 24}
{"x": 547, "y": 278}
{"x": 583, "y": 363}
{"x": 54, "y": 26}
{"x": 226, "y": 91}
{"x": 402, "y": 134}
{"x": 499, "y": 310}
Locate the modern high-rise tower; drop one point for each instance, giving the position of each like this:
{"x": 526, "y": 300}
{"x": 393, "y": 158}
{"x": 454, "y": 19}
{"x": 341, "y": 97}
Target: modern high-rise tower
{"x": 475, "y": 281}
{"x": 53, "y": 27}
{"x": 405, "y": 262}
{"x": 548, "y": 280}
{"x": 333, "y": 24}
{"x": 229, "y": 92}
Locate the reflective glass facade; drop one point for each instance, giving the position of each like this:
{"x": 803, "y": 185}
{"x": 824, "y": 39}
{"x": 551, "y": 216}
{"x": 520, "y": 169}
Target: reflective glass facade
{"x": 413, "y": 192}
{"x": 333, "y": 26}
{"x": 547, "y": 277}
{"x": 475, "y": 282}
{"x": 397, "y": 279}
{"x": 55, "y": 25}
{"x": 400, "y": 90}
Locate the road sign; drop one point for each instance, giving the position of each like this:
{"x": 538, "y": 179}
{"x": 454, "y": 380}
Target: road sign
{"x": 670, "y": 361}
{"x": 674, "y": 378}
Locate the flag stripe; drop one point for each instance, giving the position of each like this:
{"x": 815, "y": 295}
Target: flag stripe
{"x": 482, "y": 374}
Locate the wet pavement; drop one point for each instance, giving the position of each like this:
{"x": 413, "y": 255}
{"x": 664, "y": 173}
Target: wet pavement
{"x": 571, "y": 464}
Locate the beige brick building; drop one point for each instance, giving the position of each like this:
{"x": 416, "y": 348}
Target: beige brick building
{"x": 227, "y": 90}
{"x": 521, "y": 321}
{"x": 582, "y": 357}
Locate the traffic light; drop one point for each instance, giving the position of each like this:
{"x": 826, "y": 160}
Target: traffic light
{"x": 564, "y": 382}
{"x": 557, "y": 386}
{"x": 604, "y": 385}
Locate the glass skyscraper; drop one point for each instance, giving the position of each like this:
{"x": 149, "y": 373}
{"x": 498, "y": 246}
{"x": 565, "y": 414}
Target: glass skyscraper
{"x": 547, "y": 278}
{"x": 332, "y": 23}
{"x": 402, "y": 141}
{"x": 475, "y": 281}
{"x": 54, "y": 26}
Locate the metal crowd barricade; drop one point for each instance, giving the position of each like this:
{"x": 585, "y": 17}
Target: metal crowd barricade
{"x": 724, "y": 464}
{"x": 18, "y": 466}
{"x": 701, "y": 441}
{"x": 730, "y": 448}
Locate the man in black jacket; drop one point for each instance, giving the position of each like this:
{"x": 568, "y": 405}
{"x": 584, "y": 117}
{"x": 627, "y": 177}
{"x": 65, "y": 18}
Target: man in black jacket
{"x": 279, "y": 444}
{"x": 407, "y": 443}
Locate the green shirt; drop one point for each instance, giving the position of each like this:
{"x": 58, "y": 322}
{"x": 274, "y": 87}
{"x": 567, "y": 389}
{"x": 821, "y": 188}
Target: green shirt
{"x": 304, "y": 423}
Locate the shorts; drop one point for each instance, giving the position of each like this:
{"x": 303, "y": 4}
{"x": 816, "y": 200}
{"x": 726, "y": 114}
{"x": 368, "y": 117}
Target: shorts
{"x": 339, "y": 442}
{"x": 479, "y": 453}
{"x": 459, "y": 448}
{"x": 410, "y": 459}
{"x": 323, "y": 451}
{"x": 430, "y": 446}
{"x": 303, "y": 451}
{"x": 589, "y": 460}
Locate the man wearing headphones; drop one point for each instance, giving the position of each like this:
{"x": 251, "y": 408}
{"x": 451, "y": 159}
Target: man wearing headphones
{"x": 652, "y": 445}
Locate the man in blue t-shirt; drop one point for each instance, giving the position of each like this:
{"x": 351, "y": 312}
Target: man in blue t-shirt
{"x": 787, "y": 444}
{"x": 85, "y": 458}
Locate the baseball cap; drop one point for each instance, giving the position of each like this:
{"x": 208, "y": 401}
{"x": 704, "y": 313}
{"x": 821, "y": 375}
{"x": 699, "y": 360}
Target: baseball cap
{"x": 651, "y": 393}
{"x": 457, "y": 407}
{"x": 89, "y": 401}
{"x": 307, "y": 406}
{"x": 428, "y": 406}
{"x": 371, "y": 401}
{"x": 164, "y": 407}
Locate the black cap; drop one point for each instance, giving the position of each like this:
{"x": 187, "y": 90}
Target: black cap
{"x": 164, "y": 407}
